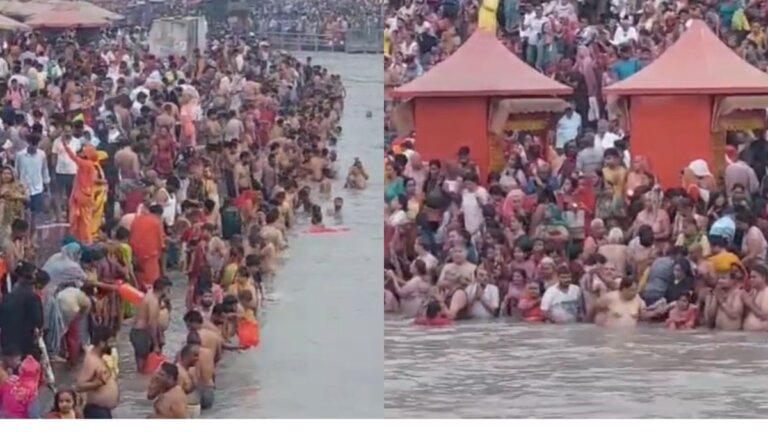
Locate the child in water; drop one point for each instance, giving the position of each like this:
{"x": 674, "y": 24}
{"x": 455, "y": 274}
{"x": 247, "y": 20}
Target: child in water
{"x": 683, "y": 315}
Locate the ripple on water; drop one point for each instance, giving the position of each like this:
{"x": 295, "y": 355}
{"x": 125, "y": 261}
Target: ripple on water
{"x": 503, "y": 369}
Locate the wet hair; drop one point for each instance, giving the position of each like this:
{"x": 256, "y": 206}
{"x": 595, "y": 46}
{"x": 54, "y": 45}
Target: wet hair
{"x": 171, "y": 370}
{"x": 245, "y": 296}
{"x": 252, "y": 260}
{"x": 186, "y": 351}
{"x": 272, "y": 215}
{"x": 194, "y": 317}
{"x": 209, "y": 205}
{"x": 645, "y": 235}
{"x": 193, "y": 338}
{"x": 42, "y": 278}
{"x": 161, "y": 284}
{"x": 122, "y": 233}
{"x": 420, "y": 267}
{"x": 219, "y": 309}
{"x": 433, "y": 309}
{"x": 100, "y": 334}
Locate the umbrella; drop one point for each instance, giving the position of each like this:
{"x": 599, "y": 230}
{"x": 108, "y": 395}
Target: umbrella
{"x": 65, "y": 19}
{"x": 11, "y": 24}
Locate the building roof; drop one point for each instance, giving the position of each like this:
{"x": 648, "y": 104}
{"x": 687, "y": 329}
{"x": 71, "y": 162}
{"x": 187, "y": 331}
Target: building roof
{"x": 698, "y": 63}
{"x": 483, "y": 66}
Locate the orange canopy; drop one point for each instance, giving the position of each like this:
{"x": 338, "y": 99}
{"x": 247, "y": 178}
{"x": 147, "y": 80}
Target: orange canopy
{"x": 482, "y": 67}
{"x": 698, "y": 63}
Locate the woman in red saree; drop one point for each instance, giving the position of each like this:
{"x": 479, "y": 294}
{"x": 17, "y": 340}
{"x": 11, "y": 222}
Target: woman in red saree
{"x": 148, "y": 243}
{"x": 81, "y": 202}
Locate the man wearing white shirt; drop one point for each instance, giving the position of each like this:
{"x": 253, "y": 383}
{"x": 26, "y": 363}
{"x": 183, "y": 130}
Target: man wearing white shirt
{"x": 32, "y": 168}
{"x": 625, "y": 33}
{"x": 65, "y": 167}
{"x": 603, "y": 138}
{"x": 532, "y": 27}
{"x": 562, "y": 302}
{"x": 568, "y": 128}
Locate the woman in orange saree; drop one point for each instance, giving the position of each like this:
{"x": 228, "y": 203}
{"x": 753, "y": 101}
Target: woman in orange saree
{"x": 81, "y": 202}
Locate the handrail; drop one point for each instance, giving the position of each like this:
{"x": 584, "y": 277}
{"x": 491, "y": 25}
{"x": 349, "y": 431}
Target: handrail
{"x": 354, "y": 40}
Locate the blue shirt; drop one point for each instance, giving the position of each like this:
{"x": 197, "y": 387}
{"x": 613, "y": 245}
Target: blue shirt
{"x": 626, "y": 68}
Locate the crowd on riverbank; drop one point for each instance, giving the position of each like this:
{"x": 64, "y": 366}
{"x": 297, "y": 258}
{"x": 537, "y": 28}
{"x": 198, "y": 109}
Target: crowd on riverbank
{"x": 579, "y": 238}
{"x": 316, "y": 17}
{"x": 586, "y": 45}
{"x": 576, "y": 229}
{"x": 195, "y": 165}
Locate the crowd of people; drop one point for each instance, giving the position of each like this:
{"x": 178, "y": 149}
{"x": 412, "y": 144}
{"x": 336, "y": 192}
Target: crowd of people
{"x": 574, "y": 228}
{"x": 316, "y": 17}
{"x": 171, "y": 175}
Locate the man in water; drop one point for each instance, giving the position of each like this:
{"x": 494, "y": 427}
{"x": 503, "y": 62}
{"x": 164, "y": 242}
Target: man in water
{"x": 165, "y": 388}
{"x": 210, "y": 336}
{"x": 561, "y": 303}
{"x": 724, "y": 307}
{"x": 623, "y": 308}
{"x": 204, "y": 371}
{"x": 187, "y": 362}
{"x": 338, "y": 204}
{"x": 95, "y": 379}
{"x": 145, "y": 334}
{"x": 756, "y": 299}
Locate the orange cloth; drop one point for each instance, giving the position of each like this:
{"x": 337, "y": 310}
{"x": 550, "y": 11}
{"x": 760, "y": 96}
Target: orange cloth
{"x": 81, "y": 202}
{"x": 148, "y": 242}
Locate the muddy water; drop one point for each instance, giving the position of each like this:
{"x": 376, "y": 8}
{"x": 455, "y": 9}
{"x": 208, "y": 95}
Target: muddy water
{"x": 501, "y": 369}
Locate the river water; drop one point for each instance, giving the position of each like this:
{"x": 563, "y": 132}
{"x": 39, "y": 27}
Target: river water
{"x": 491, "y": 369}
{"x": 321, "y": 353}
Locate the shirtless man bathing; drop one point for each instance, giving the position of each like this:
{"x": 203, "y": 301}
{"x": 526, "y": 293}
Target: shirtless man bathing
{"x": 170, "y": 401}
{"x": 724, "y": 306}
{"x": 95, "y": 379}
{"x": 145, "y": 335}
{"x": 756, "y": 299}
{"x": 211, "y": 342}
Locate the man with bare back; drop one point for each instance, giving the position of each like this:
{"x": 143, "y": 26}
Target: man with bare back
{"x": 95, "y": 379}
{"x": 165, "y": 388}
{"x": 187, "y": 362}
{"x": 756, "y": 299}
{"x": 145, "y": 334}
{"x": 204, "y": 372}
{"x": 724, "y": 307}
{"x": 209, "y": 342}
